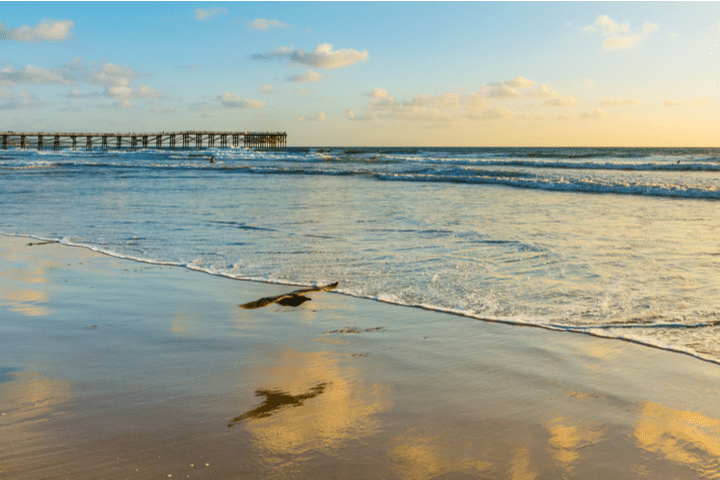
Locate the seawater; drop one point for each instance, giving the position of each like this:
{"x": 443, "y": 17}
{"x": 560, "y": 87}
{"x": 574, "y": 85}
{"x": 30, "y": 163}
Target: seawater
{"x": 616, "y": 242}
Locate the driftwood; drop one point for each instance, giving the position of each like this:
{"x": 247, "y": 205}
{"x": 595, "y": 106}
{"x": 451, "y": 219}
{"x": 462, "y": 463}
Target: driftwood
{"x": 289, "y": 299}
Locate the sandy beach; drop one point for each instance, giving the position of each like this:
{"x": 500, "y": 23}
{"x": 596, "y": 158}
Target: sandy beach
{"x": 111, "y": 368}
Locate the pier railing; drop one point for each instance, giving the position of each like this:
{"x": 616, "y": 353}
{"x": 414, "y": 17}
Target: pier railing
{"x": 171, "y": 140}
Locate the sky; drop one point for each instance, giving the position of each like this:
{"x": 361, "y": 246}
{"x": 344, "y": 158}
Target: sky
{"x": 368, "y": 73}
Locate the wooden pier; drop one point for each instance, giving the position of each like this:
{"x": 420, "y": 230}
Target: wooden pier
{"x": 170, "y": 140}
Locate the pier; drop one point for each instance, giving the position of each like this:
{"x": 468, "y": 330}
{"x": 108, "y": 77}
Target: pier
{"x": 170, "y": 140}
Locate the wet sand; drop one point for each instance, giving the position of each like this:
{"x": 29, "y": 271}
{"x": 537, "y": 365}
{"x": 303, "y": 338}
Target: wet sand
{"x": 115, "y": 369}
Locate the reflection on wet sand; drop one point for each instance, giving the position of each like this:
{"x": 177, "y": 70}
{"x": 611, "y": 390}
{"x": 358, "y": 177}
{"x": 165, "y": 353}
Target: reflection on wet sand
{"x": 277, "y": 399}
{"x": 341, "y": 406}
{"x": 16, "y": 281}
{"x": 567, "y": 440}
{"x": 421, "y": 457}
{"x": 689, "y": 438}
{"x": 520, "y": 468}
{"x": 28, "y": 401}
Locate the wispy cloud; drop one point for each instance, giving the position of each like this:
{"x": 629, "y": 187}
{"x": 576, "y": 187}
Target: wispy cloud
{"x": 542, "y": 91}
{"x": 618, "y": 36}
{"x": 306, "y": 77}
{"x": 236, "y": 101}
{"x": 126, "y": 92}
{"x": 282, "y": 52}
{"x": 75, "y": 93}
{"x": 323, "y": 56}
{"x": 620, "y": 101}
{"x": 47, "y": 30}
{"x": 561, "y": 102}
{"x": 265, "y": 24}
{"x": 20, "y": 101}
{"x": 595, "y": 114}
{"x": 672, "y": 103}
{"x": 111, "y": 75}
{"x": 34, "y": 75}
{"x": 379, "y": 93}
{"x": 204, "y": 14}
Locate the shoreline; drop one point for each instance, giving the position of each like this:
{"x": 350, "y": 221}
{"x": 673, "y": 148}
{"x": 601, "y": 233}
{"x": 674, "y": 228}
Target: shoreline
{"x": 582, "y": 330}
{"x": 114, "y": 369}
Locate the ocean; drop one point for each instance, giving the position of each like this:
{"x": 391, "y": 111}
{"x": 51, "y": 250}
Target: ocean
{"x": 620, "y": 243}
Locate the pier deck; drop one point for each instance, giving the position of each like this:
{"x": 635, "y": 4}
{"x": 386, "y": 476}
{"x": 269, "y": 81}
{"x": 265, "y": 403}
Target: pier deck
{"x": 171, "y": 140}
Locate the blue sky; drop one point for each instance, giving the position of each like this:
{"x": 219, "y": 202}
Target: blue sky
{"x": 378, "y": 73}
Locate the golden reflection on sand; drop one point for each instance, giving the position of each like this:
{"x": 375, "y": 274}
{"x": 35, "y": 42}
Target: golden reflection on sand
{"x": 28, "y": 400}
{"x": 566, "y": 440}
{"x": 341, "y": 410}
{"x": 690, "y": 438}
{"x": 422, "y": 457}
{"x": 16, "y": 281}
{"x": 520, "y": 468}
{"x": 31, "y": 394}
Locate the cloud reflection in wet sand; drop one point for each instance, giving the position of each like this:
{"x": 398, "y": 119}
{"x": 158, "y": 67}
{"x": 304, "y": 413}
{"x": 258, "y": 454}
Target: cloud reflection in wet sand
{"x": 421, "y": 457}
{"x": 567, "y": 440}
{"x": 16, "y": 284}
{"x": 29, "y": 400}
{"x": 336, "y": 405}
{"x": 689, "y": 438}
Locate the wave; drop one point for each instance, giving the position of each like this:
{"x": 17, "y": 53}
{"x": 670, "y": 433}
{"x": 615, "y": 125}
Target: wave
{"x": 607, "y": 331}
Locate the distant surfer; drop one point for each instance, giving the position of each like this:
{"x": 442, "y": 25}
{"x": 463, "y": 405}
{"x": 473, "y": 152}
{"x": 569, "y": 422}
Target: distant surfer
{"x": 212, "y": 159}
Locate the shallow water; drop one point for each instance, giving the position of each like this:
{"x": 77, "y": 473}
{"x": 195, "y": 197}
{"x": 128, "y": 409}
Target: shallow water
{"x": 620, "y": 243}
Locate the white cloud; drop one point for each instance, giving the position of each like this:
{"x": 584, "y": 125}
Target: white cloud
{"x": 451, "y": 107}
{"x": 266, "y": 88}
{"x": 542, "y": 91}
{"x": 47, "y": 30}
{"x": 264, "y": 24}
{"x": 33, "y": 75}
{"x": 351, "y": 115}
{"x": 618, "y": 36}
{"x": 617, "y": 42}
{"x": 306, "y": 77}
{"x": 561, "y": 102}
{"x": 302, "y": 91}
{"x": 75, "y": 93}
{"x": 494, "y": 113}
{"x": 503, "y": 91}
{"x": 672, "y": 103}
{"x": 20, "y": 101}
{"x": 379, "y": 93}
{"x": 236, "y": 101}
{"x": 324, "y": 57}
{"x": 595, "y": 114}
{"x": 320, "y": 117}
{"x": 111, "y": 75}
{"x": 614, "y": 102}
{"x": 649, "y": 27}
{"x": 609, "y": 27}
{"x": 127, "y": 92}
{"x": 202, "y": 14}
{"x": 520, "y": 82}
{"x": 165, "y": 110}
